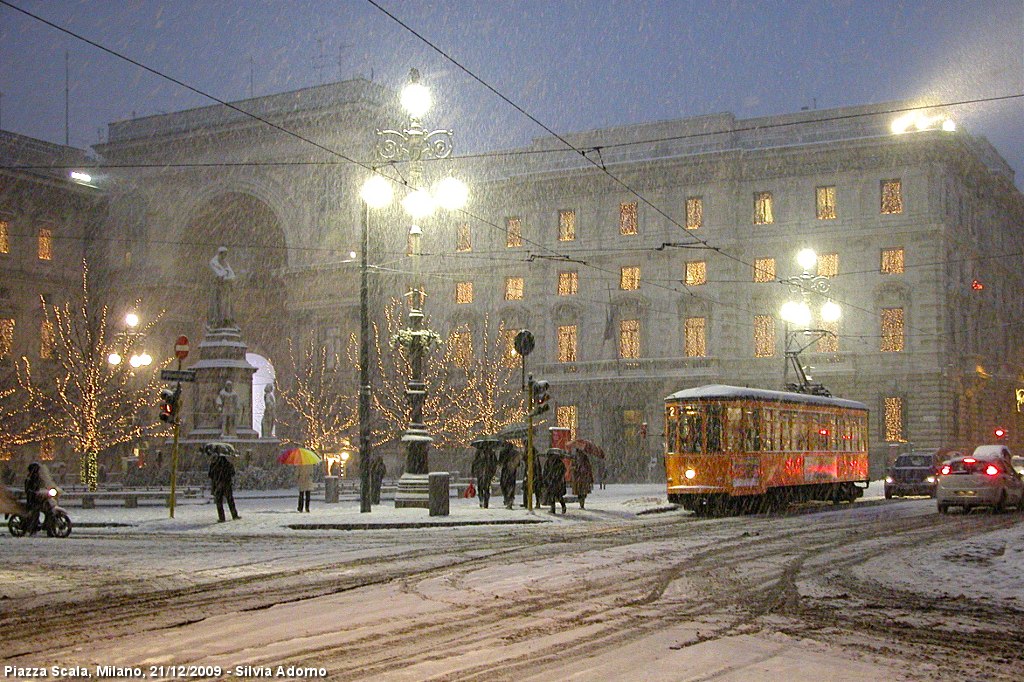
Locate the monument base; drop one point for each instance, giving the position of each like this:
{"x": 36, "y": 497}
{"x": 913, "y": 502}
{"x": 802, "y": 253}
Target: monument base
{"x": 413, "y": 491}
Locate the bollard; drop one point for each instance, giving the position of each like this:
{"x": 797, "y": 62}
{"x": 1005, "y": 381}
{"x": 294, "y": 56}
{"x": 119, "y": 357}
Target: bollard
{"x": 438, "y": 487}
{"x": 331, "y": 489}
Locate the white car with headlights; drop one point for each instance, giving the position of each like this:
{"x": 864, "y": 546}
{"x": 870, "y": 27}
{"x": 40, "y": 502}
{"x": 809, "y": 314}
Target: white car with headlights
{"x": 986, "y": 478}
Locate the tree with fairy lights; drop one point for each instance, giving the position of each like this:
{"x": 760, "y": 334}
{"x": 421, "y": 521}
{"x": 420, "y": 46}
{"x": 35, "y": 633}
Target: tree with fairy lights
{"x": 321, "y": 398}
{"x": 493, "y": 384}
{"x": 79, "y": 395}
{"x": 17, "y": 423}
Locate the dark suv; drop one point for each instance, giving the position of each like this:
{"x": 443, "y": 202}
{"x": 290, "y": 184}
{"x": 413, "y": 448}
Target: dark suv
{"x": 913, "y": 474}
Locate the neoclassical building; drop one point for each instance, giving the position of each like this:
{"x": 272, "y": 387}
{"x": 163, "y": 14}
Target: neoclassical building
{"x": 649, "y": 259}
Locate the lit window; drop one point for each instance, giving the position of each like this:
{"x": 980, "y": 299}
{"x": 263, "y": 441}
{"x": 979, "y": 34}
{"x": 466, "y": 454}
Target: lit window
{"x": 764, "y": 269}
{"x": 462, "y": 348}
{"x": 6, "y": 337}
{"x": 46, "y": 340}
{"x": 45, "y": 244}
{"x": 764, "y": 336}
{"x": 567, "y": 343}
{"x": 5, "y": 237}
{"x": 825, "y": 199}
{"x": 830, "y": 342}
{"x": 695, "y": 339}
{"x": 892, "y": 261}
{"x": 828, "y": 264}
{"x": 629, "y": 339}
{"x": 696, "y": 273}
{"x": 627, "y": 218}
{"x": 508, "y": 346}
{"x": 566, "y": 417}
{"x": 894, "y": 421}
{"x": 629, "y": 278}
{"x": 892, "y": 197}
{"x": 892, "y": 330}
{"x": 763, "y": 208}
{"x": 566, "y": 226}
{"x": 463, "y": 238}
{"x": 463, "y": 292}
{"x": 513, "y": 288}
{"x": 513, "y": 232}
{"x": 568, "y": 283}
{"x": 694, "y": 213}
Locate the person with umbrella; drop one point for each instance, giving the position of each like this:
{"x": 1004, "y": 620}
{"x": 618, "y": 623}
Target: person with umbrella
{"x": 508, "y": 460}
{"x": 304, "y": 460}
{"x": 582, "y": 476}
{"x": 554, "y": 478}
{"x": 222, "y": 474}
{"x": 484, "y": 464}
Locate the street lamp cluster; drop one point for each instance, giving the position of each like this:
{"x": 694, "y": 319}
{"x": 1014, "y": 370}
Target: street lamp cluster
{"x": 412, "y": 144}
{"x": 128, "y": 338}
{"x": 798, "y": 315}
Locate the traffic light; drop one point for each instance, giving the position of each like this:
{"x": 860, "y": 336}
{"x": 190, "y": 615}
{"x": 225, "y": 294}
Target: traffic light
{"x": 1000, "y": 433}
{"x": 541, "y": 396}
{"x": 169, "y": 404}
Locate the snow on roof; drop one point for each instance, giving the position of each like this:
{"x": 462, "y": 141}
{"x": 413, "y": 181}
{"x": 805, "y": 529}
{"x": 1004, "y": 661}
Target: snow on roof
{"x": 725, "y": 392}
{"x": 989, "y": 451}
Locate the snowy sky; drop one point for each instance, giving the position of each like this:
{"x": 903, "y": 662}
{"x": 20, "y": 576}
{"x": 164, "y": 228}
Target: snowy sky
{"x": 574, "y": 65}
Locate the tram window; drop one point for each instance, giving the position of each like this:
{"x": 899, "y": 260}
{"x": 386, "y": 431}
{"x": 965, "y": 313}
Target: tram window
{"x": 735, "y": 429}
{"x": 771, "y": 429}
{"x": 691, "y": 433}
{"x": 715, "y": 428}
{"x": 672, "y": 431}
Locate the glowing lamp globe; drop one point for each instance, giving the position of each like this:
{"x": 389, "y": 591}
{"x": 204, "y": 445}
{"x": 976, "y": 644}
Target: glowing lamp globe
{"x": 131, "y": 319}
{"x": 830, "y": 312}
{"x": 419, "y": 203}
{"x": 135, "y": 361}
{"x": 796, "y": 312}
{"x": 114, "y": 359}
{"x": 376, "y": 192}
{"x": 451, "y": 193}
{"x": 415, "y": 99}
{"x": 806, "y": 258}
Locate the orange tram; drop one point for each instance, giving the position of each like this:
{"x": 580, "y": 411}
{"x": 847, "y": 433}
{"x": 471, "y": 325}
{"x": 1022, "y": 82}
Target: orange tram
{"x": 729, "y": 448}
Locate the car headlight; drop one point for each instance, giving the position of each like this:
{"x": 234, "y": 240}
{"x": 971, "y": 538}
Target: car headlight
{"x": 888, "y": 479}
{"x": 930, "y": 479}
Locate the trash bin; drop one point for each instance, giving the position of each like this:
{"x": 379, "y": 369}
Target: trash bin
{"x": 438, "y": 487}
{"x": 331, "y": 489}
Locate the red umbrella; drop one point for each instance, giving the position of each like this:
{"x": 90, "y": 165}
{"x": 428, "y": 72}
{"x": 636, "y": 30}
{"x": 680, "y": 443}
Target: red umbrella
{"x": 585, "y": 446}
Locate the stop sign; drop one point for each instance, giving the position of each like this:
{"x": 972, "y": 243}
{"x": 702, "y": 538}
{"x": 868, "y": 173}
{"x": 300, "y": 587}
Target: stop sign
{"x": 181, "y": 347}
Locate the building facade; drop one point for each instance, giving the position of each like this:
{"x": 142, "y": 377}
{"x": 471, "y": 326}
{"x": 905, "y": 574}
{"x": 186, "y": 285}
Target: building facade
{"x": 650, "y": 259}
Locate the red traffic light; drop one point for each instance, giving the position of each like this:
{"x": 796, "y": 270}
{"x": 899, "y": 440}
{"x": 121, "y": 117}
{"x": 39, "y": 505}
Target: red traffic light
{"x": 1000, "y": 432}
{"x": 977, "y": 285}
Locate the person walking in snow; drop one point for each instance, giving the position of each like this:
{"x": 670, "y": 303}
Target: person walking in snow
{"x": 582, "y": 477}
{"x": 222, "y": 474}
{"x": 304, "y": 476}
{"x": 554, "y": 479}
{"x": 508, "y": 460}
{"x": 482, "y": 469}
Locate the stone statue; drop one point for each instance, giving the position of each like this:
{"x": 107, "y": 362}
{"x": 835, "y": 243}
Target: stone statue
{"x": 221, "y": 312}
{"x": 269, "y": 411}
{"x": 230, "y": 406}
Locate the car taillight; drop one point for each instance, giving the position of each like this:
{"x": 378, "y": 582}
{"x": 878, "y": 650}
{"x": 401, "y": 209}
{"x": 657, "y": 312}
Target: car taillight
{"x": 945, "y": 469}
{"x": 992, "y": 470}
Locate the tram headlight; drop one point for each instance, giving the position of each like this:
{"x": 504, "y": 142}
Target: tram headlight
{"x": 690, "y": 474}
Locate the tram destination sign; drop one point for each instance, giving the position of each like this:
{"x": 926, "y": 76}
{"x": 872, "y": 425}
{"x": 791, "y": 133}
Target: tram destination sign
{"x": 188, "y": 375}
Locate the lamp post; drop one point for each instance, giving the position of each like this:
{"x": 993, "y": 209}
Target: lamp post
{"x": 127, "y": 340}
{"x": 797, "y": 312}
{"x": 413, "y": 144}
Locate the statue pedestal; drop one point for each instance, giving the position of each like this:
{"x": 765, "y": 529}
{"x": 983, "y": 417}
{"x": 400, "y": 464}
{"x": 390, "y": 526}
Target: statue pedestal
{"x": 413, "y": 491}
{"x": 221, "y": 359}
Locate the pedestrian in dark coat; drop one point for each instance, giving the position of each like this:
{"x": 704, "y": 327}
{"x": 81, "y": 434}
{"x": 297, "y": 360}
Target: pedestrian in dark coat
{"x": 378, "y": 470}
{"x": 538, "y": 483}
{"x": 554, "y": 479}
{"x": 582, "y": 477}
{"x": 222, "y": 474}
{"x": 508, "y": 460}
{"x": 485, "y": 462}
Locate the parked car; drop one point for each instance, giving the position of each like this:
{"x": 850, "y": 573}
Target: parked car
{"x": 986, "y": 478}
{"x": 914, "y": 474}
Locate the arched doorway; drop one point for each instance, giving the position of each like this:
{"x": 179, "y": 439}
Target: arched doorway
{"x": 263, "y": 377}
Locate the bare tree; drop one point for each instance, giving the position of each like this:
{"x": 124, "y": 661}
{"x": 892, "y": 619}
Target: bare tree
{"x": 321, "y": 398}
{"x": 82, "y": 397}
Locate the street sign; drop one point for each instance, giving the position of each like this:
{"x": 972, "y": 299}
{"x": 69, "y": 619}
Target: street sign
{"x": 178, "y": 375}
{"x": 181, "y": 347}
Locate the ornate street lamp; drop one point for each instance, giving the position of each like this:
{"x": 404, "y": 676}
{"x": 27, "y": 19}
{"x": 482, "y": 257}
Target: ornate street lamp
{"x": 413, "y": 144}
{"x": 127, "y": 339}
{"x": 796, "y": 312}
